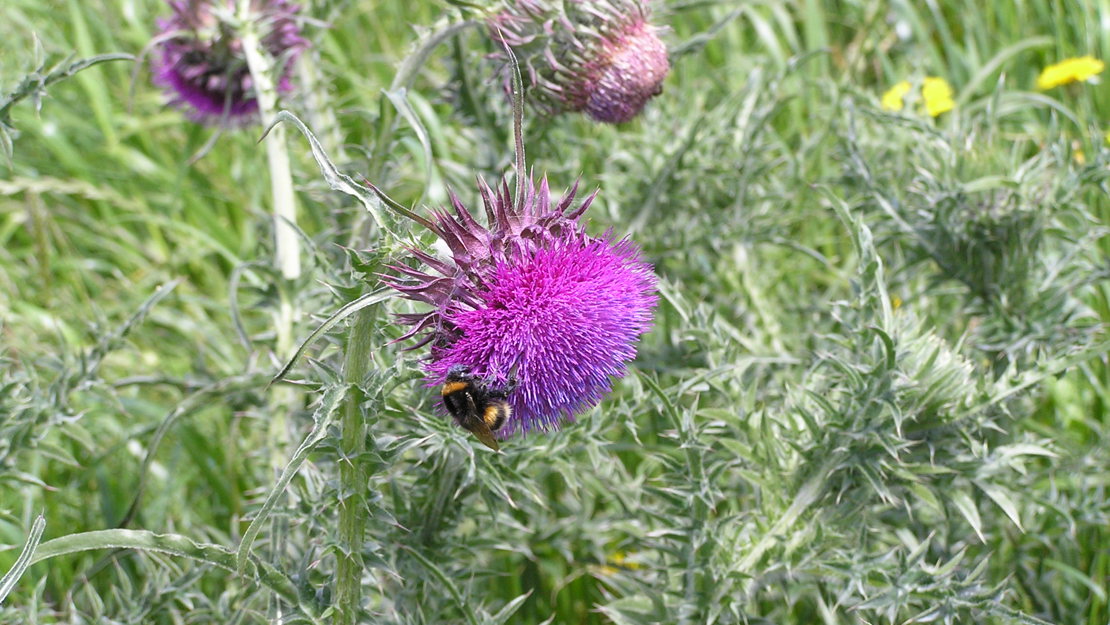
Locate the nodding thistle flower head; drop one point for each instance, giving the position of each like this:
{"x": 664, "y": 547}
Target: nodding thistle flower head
{"x": 598, "y": 57}
{"x": 530, "y": 301}
{"x": 199, "y": 59}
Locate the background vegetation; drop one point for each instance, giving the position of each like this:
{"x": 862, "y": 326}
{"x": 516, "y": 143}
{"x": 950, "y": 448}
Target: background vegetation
{"x": 876, "y": 391}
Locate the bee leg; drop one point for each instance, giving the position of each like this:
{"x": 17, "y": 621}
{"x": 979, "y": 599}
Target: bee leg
{"x": 503, "y": 391}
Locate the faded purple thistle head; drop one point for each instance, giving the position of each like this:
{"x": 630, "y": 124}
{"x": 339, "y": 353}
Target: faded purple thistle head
{"x": 199, "y": 61}
{"x": 598, "y": 57}
{"x": 533, "y": 298}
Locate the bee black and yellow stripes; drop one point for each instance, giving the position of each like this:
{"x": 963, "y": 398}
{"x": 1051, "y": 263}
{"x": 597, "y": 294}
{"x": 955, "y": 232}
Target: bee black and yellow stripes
{"x": 477, "y": 406}
{"x": 496, "y": 414}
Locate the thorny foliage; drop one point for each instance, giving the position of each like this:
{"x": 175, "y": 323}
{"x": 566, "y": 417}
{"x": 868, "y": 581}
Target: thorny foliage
{"x": 1018, "y": 235}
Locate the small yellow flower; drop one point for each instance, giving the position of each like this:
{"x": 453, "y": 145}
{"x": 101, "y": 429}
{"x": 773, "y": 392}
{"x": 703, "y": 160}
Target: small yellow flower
{"x": 617, "y": 562}
{"x": 1077, "y": 152}
{"x": 1108, "y": 136}
{"x": 1068, "y": 71}
{"x": 621, "y": 559}
{"x": 937, "y": 94}
{"x": 895, "y": 302}
{"x": 894, "y": 98}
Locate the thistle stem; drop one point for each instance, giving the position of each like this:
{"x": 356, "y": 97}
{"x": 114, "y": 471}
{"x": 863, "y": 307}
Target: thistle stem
{"x": 286, "y": 239}
{"x": 352, "y": 477}
{"x": 287, "y": 256}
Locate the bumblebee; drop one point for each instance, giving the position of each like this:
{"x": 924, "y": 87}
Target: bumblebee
{"x": 476, "y": 405}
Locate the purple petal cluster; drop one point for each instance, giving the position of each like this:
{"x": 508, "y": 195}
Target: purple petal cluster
{"x": 198, "y": 57}
{"x": 531, "y": 298}
{"x": 598, "y": 57}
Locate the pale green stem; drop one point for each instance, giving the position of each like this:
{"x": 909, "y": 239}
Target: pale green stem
{"x": 352, "y": 478}
{"x": 287, "y": 253}
{"x": 286, "y": 239}
{"x": 700, "y": 515}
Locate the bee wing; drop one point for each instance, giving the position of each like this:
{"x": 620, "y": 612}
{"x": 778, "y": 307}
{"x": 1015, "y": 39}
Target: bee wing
{"x": 484, "y": 434}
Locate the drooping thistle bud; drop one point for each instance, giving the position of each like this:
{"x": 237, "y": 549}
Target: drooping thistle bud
{"x": 598, "y": 57}
{"x": 530, "y": 301}
{"x": 198, "y": 57}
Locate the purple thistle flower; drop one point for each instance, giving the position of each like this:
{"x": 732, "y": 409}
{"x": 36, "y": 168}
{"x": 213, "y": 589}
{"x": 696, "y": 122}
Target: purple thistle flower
{"x": 599, "y": 57}
{"x": 199, "y": 59}
{"x": 531, "y": 300}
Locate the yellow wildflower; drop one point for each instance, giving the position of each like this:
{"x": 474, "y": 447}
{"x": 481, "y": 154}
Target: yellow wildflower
{"x": 1077, "y": 153}
{"x": 1068, "y": 71}
{"x": 620, "y": 559}
{"x": 894, "y": 98}
{"x": 937, "y": 94}
{"x": 617, "y": 562}
{"x": 1108, "y": 136}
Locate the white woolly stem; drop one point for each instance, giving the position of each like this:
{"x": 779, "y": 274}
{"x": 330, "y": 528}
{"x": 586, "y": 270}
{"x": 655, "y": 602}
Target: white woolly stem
{"x": 286, "y": 239}
{"x": 287, "y": 253}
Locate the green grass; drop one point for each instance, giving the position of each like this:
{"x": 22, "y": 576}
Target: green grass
{"x": 792, "y": 446}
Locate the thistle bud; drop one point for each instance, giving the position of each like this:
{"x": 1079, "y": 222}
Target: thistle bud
{"x": 598, "y": 57}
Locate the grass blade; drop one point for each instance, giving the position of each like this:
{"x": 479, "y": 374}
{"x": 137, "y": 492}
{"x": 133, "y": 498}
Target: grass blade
{"x": 7, "y": 583}
{"x": 171, "y": 544}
